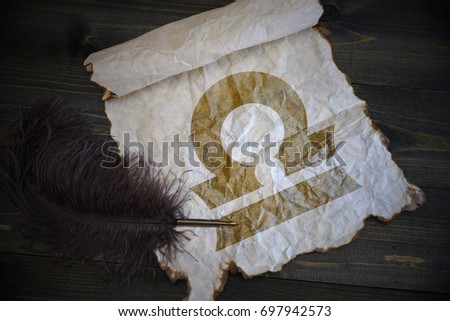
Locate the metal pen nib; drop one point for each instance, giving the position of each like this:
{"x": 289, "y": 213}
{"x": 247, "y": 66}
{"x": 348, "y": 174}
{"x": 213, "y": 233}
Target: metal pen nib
{"x": 205, "y": 223}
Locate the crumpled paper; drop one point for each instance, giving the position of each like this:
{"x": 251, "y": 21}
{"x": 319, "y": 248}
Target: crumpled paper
{"x": 246, "y": 105}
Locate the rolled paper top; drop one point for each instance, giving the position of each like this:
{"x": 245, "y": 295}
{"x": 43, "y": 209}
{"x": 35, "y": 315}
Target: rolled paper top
{"x": 198, "y": 40}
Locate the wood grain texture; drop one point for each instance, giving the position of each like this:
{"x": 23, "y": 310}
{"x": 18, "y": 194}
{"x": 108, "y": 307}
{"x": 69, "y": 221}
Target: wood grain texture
{"x": 397, "y": 55}
{"x": 44, "y": 278}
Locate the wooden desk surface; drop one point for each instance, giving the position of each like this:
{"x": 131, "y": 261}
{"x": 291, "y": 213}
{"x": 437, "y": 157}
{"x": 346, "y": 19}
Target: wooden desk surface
{"x": 397, "y": 55}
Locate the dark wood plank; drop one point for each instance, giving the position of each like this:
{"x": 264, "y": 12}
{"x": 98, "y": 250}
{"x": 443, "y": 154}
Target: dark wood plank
{"x": 49, "y": 25}
{"x": 409, "y": 253}
{"x": 268, "y": 289}
{"x": 417, "y": 127}
{"x": 375, "y": 264}
{"x": 395, "y": 43}
{"x": 411, "y": 109}
{"x": 26, "y": 277}
{"x": 424, "y": 158}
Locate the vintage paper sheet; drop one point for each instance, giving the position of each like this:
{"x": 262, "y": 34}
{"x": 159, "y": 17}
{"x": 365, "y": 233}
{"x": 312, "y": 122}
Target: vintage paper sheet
{"x": 250, "y": 110}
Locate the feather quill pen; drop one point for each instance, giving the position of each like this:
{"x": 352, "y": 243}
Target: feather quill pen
{"x": 53, "y": 176}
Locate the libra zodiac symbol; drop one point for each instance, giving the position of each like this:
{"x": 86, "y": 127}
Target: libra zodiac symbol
{"x": 233, "y": 179}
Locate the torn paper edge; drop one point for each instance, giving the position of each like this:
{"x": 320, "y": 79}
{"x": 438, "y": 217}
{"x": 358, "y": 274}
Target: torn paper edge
{"x": 416, "y": 195}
